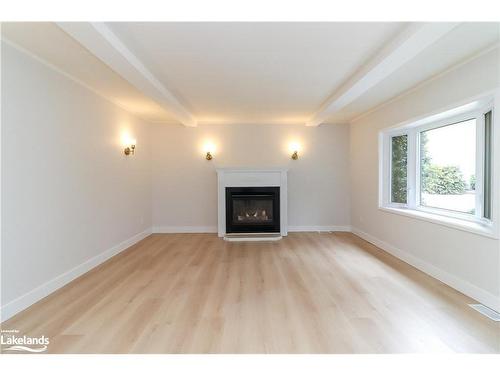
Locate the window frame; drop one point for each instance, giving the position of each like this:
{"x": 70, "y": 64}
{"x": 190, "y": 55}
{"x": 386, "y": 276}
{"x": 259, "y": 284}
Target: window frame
{"x": 490, "y": 162}
{"x": 477, "y": 216}
{"x": 413, "y": 207}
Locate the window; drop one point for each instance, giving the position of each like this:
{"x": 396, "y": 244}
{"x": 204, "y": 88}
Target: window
{"x": 448, "y": 167}
{"x": 441, "y": 166}
{"x": 399, "y": 170}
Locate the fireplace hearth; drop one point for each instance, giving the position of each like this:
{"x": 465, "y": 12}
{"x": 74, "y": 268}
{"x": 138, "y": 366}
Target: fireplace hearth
{"x": 253, "y": 209}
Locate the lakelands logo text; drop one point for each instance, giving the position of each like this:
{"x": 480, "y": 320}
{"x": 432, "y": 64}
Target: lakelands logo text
{"x": 12, "y": 341}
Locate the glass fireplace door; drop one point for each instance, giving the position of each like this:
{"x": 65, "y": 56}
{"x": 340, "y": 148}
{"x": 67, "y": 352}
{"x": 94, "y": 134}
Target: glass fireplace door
{"x": 252, "y": 210}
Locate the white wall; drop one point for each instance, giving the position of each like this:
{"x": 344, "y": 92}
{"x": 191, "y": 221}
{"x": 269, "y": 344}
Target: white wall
{"x": 68, "y": 192}
{"x": 185, "y": 184}
{"x": 466, "y": 261}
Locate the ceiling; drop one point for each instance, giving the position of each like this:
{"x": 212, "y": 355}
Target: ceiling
{"x": 203, "y": 73}
{"x": 253, "y": 72}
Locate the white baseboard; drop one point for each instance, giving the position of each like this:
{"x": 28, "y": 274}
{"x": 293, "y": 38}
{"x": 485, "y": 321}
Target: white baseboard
{"x": 213, "y": 229}
{"x": 319, "y": 228}
{"x": 185, "y": 229}
{"x": 486, "y": 298}
{"x": 19, "y": 304}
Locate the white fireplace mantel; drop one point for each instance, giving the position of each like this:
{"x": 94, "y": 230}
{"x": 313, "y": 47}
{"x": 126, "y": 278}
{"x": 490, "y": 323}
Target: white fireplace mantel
{"x": 247, "y": 177}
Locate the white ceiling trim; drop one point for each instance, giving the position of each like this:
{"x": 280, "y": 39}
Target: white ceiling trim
{"x": 105, "y": 45}
{"x": 412, "y": 41}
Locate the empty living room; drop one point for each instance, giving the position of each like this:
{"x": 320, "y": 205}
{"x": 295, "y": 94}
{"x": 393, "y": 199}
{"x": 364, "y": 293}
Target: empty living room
{"x": 243, "y": 185}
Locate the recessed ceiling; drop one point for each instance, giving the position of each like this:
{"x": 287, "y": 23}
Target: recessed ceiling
{"x": 248, "y": 72}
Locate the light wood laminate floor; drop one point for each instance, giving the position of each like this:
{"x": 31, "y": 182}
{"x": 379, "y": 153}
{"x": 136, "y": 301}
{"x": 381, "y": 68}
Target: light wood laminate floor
{"x": 308, "y": 293}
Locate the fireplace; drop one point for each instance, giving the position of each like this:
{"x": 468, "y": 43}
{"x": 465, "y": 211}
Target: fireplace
{"x": 248, "y": 190}
{"x": 252, "y": 209}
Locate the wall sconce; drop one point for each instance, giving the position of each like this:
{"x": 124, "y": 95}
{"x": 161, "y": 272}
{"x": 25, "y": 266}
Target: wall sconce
{"x": 294, "y": 149}
{"x": 209, "y": 151}
{"x": 130, "y": 149}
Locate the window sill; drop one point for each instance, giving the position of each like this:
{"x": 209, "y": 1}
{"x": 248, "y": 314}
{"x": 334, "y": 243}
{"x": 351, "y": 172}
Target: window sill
{"x": 460, "y": 224}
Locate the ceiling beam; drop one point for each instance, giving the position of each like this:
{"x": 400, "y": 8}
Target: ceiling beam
{"x": 408, "y": 44}
{"x": 98, "y": 38}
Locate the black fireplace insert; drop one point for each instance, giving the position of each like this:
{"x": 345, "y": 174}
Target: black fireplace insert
{"x": 253, "y": 209}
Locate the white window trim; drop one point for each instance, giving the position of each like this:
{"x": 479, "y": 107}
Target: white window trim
{"x": 462, "y": 221}
{"x": 486, "y": 230}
